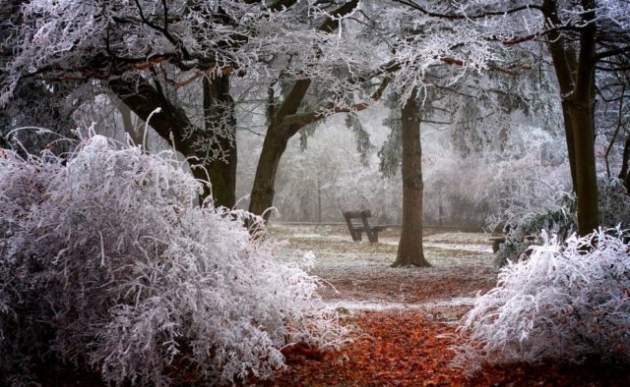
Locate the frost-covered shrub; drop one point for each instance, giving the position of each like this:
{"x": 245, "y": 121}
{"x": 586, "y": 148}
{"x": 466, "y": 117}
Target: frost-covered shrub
{"x": 107, "y": 261}
{"x": 519, "y": 222}
{"x": 558, "y": 220}
{"x": 567, "y": 302}
{"x": 614, "y": 202}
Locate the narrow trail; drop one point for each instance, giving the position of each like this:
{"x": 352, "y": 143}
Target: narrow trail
{"x": 405, "y": 320}
{"x": 411, "y": 349}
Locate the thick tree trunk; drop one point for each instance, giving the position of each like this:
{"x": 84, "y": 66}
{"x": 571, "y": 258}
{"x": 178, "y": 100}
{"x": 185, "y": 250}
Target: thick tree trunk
{"x": 410, "y": 250}
{"x": 261, "y": 198}
{"x": 276, "y": 139}
{"x": 575, "y": 73}
{"x": 583, "y": 122}
{"x": 587, "y": 202}
{"x": 219, "y": 117}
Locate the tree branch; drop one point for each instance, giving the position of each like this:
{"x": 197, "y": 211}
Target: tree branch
{"x": 455, "y": 16}
{"x": 295, "y": 122}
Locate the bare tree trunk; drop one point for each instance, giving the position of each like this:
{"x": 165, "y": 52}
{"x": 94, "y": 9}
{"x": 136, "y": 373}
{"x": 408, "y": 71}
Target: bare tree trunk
{"x": 410, "y": 252}
{"x": 275, "y": 143}
{"x": 581, "y": 108}
{"x": 262, "y": 194}
{"x": 587, "y": 202}
{"x": 575, "y": 75}
{"x": 218, "y": 107}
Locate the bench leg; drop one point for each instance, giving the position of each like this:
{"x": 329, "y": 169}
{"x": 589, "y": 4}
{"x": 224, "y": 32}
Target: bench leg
{"x": 373, "y": 236}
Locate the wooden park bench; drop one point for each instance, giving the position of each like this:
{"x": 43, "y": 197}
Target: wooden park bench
{"x": 358, "y": 223}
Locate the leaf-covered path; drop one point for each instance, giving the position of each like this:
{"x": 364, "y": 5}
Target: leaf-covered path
{"x": 412, "y": 349}
{"x": 405, "y": 319}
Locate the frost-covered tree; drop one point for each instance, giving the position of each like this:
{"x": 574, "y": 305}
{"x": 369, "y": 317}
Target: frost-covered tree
{"x": 332, "y": 87}
{"x": 579, "y": 35}
{"x": 423, "y": 56}
{"x": 146, "y": 51}
{"x": 39, "y": 106}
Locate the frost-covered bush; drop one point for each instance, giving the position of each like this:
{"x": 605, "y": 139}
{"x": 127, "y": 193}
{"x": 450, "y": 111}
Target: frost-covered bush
{"x": 567, "y": 302}
{"x": 518, "y": 222}
{"x": 614, "y": 203}
{"x": 558, "y": 220}
{"x": 107, "y": 261}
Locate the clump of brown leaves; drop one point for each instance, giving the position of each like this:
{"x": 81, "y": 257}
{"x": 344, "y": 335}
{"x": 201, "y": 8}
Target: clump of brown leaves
{"x": 412, "y": 349}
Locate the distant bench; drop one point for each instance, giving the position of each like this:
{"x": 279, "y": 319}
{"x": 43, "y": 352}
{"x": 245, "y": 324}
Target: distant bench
{"x": 358, "y": 222}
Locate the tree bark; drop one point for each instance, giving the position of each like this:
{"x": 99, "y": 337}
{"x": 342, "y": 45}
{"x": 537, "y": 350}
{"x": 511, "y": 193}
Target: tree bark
{"x": 581, "y": 109}
{"x": 564, "y": 62}
{"x": 410, "y": 251}
{"x": 264, "y": 182}
{"x": 219, "y": 117}
{"x": 575, "y": 75}
{"x": 623, "y": 173}
{"x": 275, "y": 143}
{"x": 587, "y": 201}
{"x": 171, "y": 122}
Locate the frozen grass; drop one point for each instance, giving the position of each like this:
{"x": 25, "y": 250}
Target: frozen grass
{"x": 361, "y": 274}
{"x": 356, "y": 306}
{"x": 333, "y": 247}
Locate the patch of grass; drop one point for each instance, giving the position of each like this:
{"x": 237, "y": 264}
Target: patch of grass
{"x": 337, "y": 246}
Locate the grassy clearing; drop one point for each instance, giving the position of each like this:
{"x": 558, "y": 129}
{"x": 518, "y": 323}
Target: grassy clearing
{"x": 333, "y": 246}
{"x": 361, "y": 273}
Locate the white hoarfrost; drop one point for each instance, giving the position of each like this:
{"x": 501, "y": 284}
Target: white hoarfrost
{"x": 106, "y": 260}
{"x": 567, "y": 302}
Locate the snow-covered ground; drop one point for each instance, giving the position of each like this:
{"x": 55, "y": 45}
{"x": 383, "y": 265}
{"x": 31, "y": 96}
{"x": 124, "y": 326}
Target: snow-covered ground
{"x": 359, "y": 276}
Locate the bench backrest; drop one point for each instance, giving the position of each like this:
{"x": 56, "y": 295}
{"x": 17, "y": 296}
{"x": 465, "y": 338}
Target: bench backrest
{"x": 357, "y": 219}
{"x": 358, "y": 222}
